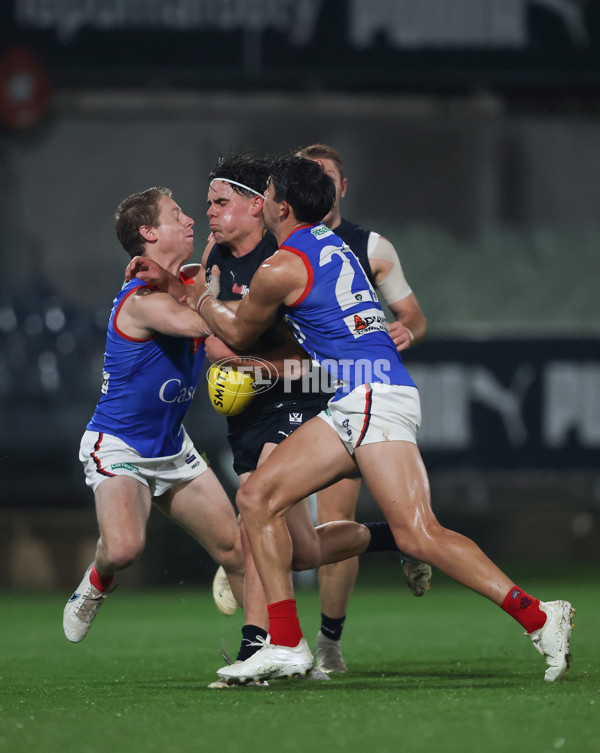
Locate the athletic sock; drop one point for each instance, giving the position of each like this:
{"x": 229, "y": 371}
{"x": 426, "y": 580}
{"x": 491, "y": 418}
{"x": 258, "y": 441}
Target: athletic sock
{"x": 382, "y": 538}
{"x": 524, "y": 608}
{"x": 284, "y": 626}
{"x": 101, "y": 582}
{"x": 332, "y": 627}
{"x": 249, "y": 635}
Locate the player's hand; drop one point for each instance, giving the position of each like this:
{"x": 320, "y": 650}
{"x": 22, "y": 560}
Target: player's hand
{"x": 216, "y": 350}
{"x": 214, "y": 281}
{"x": 149, "y": 271}
{"x": 403, "y": 338}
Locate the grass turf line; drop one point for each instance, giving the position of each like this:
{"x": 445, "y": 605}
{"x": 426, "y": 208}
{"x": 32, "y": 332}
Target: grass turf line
{"x": 448, "y": 672}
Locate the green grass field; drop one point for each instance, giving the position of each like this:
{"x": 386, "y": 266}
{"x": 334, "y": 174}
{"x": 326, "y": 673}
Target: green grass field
{"x": 448, "y": 672}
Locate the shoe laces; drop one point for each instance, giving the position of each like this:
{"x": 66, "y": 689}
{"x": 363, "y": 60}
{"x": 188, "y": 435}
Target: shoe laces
{"x": 90, "y": 603}
{"x": 261, "y": 642}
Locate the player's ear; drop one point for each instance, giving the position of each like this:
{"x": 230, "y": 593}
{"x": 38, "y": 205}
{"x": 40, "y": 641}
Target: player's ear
{"x": 148, "y": 234}
{"x": 284, "y": 210}
{"x": 257, "y": 205}
{"x": 344, "y": 187}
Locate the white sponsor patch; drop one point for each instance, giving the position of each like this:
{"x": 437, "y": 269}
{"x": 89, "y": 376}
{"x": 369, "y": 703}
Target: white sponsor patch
{"x": 371, "y": 320}
{"x": 321, "y": 231}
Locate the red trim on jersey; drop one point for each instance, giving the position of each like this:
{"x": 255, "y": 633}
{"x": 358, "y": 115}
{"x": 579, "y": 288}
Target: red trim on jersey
{"x": 368, "y": 404}
{"x": 96, "y": 460}
{"x": 309, "y": 271}
{"x": 117, "y": 330}
{"x": 300, "y": 227}
{"x": 186, "y": 279}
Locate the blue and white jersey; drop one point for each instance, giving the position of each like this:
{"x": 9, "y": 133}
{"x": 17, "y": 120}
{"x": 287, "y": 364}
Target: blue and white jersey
{"x": 147, "y": 385}
{"x": 338, "y": 319}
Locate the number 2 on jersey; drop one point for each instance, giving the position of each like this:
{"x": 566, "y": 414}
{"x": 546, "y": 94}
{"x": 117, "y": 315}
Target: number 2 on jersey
{"x": 343, "y": 287}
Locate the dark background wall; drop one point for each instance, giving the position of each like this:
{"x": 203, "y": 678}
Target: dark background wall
{"x": 470, "y": 139}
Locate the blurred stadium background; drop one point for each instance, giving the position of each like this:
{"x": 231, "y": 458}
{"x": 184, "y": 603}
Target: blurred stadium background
{"x": 470, "y": 132}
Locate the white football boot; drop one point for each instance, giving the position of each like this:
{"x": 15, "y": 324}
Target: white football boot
{"x": 270, "y": 661}
{"x": 329, "y": 654}
{"x": 553, "y": 639}
{"x": 222, "y": 593}
{"x": 82, "y": 608}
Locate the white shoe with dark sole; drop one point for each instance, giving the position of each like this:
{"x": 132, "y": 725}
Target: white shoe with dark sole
{"x": 270, "y": 661}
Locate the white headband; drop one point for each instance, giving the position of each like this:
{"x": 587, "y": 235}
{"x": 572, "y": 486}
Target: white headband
{"x": 241, "y": 185}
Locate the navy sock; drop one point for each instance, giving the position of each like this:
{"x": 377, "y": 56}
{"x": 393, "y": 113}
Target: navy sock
{"x": 249, "y": 635}
{"x": 382, "y": 538}
{"x": 332, "y": 627}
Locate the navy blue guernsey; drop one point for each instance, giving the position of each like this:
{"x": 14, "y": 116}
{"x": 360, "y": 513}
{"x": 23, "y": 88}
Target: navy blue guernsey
{"x": 236, "y": 273}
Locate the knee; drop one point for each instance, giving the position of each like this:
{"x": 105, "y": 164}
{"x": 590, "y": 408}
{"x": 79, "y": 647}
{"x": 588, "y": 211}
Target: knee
{"x": 231, "y": 557}
{"x": 249, "y": 500}
{"x": 421, "y": 544}
{"x": 125, "y": 551}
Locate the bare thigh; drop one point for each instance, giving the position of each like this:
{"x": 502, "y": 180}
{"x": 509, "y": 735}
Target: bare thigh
{"x": 310, "y": 459}
{"x": 396, "y": 477}
{"x": 299, "y": 522}
{"x": 122, "y": 507}
{"x": 204, "y": 510}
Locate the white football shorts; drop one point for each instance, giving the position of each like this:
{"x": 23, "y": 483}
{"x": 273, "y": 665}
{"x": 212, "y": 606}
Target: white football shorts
{"x": 375, "y": 413}
{"x": 104, "y": 456}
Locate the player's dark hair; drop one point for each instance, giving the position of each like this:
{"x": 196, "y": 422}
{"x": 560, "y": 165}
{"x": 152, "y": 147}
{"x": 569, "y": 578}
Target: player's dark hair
{"x": 323, "y": 151}
{"x": 304, "y": 185}
{"x": 136, "y": 210}
{"x": 245, "y": 169}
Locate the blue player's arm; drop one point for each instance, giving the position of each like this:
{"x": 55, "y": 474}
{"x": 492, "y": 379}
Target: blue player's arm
{"x": 279, "y": 281}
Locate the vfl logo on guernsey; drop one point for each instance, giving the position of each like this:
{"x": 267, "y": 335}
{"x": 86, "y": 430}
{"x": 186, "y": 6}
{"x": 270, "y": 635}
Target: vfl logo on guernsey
{"x": 371, "y": 320}
{"x": 321, "y": 231}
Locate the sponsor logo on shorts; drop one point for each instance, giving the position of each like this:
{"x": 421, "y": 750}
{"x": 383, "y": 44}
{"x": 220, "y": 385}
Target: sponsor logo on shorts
{"x": 125, "y": 466}
{"x": 346, "y": 425}
{"x": 295, "y": 418}
{"x": 190, "y": 459}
